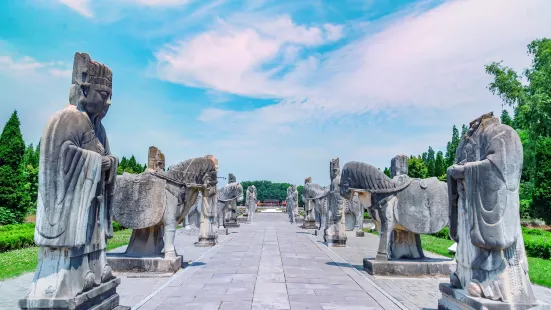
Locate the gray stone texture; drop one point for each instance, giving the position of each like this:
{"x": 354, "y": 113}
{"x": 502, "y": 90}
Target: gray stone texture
{"x": 335, "y": 229}
{"x": 402, "y": 207}
{"x": 74, "y": 207}
{"x": 251, "y": 203}
{"x": 228, "y": 196}
{"x": 484, "y": 218}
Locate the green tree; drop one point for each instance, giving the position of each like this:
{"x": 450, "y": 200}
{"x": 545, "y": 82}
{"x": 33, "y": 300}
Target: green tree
{"x": 387, "y": 172}
{"x": 440, "y": 165}
{"x": 452, "y": 146}
{"x": 12, "y": 149}
{"x": 506, "y": 118}
{"x": 417, "y": 167}
{"x": 531, "y": 103}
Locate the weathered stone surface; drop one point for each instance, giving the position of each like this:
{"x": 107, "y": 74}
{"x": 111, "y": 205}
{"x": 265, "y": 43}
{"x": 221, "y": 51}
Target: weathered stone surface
{"x": 402, "y": 207}
{"x": 228, "y": 196}
{"x": 139, "y": 200}
{"x": 251, "y": 203}
{"x": 103, "y": 297}
{"x": 335, "y": 229}
{"x": 399, "y": 165}
{"x": 409, "y": 267}
{"x": 485, "y": 220}
{"x": 315, "y": 203}
{"x": 124, "y": 263}
{"x": 458, "y": 299}
{"x": 74, "y": 207}
{"x": 292, "y": 203}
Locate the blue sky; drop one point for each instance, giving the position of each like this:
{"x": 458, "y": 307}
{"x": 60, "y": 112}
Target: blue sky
{"x": 274, "y": 89}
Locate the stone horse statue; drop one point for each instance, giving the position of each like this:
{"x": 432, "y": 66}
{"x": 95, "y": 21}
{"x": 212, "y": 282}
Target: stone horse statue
{"x": 314, "y": 197}
{"x": 251, "y": 202}
{"x": 402, "y": 207}
{"x": 153, "y": 203}
{"x": 228, "y": 196}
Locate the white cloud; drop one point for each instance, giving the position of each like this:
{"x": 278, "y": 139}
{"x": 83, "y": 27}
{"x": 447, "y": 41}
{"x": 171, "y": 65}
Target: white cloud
{"x": 158, "y": 3}
{"x": 425, "y": 68}
{"x": 80, "y": 6}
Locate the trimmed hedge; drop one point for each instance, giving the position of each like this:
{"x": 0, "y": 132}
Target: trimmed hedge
{"x": 537, "y": 242}
{"x": 17, "y": 236}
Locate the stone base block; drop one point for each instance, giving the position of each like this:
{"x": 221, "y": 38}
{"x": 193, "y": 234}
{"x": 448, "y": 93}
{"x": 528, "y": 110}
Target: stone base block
{"x": 309, "y": 224}
{"x": 103, "y": 297}
{"x": 207, "y": 241}
{"x": 223, "y": 231}
{"x": 459, "y": 299}
{"x": 190, "y": 231}
{"x": 335, "y": 240}
{"x": 232, "y": 225}
{"x": 360, "y": 233}
{"x": 123, "y": 263}
{"x": 242, "y": 219}
{"x": 409, "y": 267}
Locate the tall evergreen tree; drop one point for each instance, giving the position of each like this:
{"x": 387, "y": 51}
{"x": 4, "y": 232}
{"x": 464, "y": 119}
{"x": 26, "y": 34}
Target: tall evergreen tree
{"x": 430, "y": 163}
{"x": 506, "y": 119}
{"x": 417, "y": 167}
{"x": 387, "y": 172}
{"x": 452, "y": 146}
{"x": 12, "y": 149}
{"x": 439, "y": 165}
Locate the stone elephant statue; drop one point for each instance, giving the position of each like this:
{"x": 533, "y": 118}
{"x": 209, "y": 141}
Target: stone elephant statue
{"x": 154, "y": 202}
{"x": 314, "y": 197}
{"x": 227, "y": 199}
{"x": 402, "y": 207}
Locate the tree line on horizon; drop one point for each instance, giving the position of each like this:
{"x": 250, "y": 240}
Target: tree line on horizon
{"x": 530, "y": 101}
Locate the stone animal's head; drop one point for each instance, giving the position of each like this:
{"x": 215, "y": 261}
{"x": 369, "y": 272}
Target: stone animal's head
{"x": 196, "y": 174}
{"x": 213, "y": 159}
{"x": 91, "y": 87}
{"x": 231, "y": 178}
{"x": 334, "y": 168}
{"x": 358, "y": 175}
{"x": 313, "y": 191}
{"x": 231, "y": 191}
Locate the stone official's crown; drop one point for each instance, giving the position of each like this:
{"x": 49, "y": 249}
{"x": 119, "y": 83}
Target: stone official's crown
{"x": 335, "y": 162}
{"x": 86, "y": 70}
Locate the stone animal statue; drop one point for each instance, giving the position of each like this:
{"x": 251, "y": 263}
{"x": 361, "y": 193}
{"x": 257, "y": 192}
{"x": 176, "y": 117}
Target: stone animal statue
{"x": 354, "y": 213}
{"x": 193, "y": 217}
{"x": 153, "y": 203}
{"x": 227, "y": 199}
{"x": 251, "y": 202}
{"x": 314, "y": 197}
{"x": 402, "y": 207}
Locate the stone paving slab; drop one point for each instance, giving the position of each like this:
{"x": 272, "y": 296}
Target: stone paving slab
{"x": 413, "y": 293}
{"x": 268, "y": 264}
{"x": 132, "y": 288}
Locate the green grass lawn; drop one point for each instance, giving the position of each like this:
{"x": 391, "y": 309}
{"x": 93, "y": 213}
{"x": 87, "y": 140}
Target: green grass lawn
{"x": 17, "y": 262}
{"x": 538, "y": 269}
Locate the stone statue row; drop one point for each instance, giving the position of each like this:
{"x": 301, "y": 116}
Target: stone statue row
{"x": 479, "y": 202}
{"x": 80, "y": 195}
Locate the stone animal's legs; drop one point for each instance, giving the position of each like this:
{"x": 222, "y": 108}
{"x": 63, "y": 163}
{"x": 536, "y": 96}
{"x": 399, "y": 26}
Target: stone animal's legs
{"x": 170, "y": 220}
{"x": 386, "y": 216}
{"x": 250, "y": 215}
{"x": 221, "y": 217}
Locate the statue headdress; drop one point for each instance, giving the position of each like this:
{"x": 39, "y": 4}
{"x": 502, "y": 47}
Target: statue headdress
{"x": 88, "y": 71}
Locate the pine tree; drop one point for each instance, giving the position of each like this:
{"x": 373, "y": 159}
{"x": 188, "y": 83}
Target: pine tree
{"x": 506, "y": 118}
{"x": 439, "y": 165}
{"x": 12, "y": 148}
{"x": 430, "y": 163}
{"x": 387, "y": 172}
{"x": 452, "y": 146}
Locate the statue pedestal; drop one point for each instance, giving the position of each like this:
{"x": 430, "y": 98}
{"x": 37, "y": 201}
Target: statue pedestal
{"x": 309, "y": 224}
{"x": 333, "y": 237}
{"x": 360, "y": 233}
{"x": 223, "y": 231}
{"x": 210, "y": 240}
{"x": 242, "y": 219}
{"x": 121, "y": 262}
{"x": 103, "y": 297}
{"x": 232, "y": 223}
{"x": 408, "y": 267}
{"x": 459, "y": 299}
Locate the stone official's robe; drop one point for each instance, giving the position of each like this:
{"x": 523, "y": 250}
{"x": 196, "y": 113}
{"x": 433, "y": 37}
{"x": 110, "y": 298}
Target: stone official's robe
{"x": 484, "y": 215}
{"x": 74, "y": 203}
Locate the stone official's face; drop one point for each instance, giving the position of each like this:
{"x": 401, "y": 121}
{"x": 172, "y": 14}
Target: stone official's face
{"x": 98, "y": 99}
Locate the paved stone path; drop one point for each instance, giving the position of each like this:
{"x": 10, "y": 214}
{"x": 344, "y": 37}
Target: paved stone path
{"x": 414, "y": 293}
{"x": 269, "y": 264}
